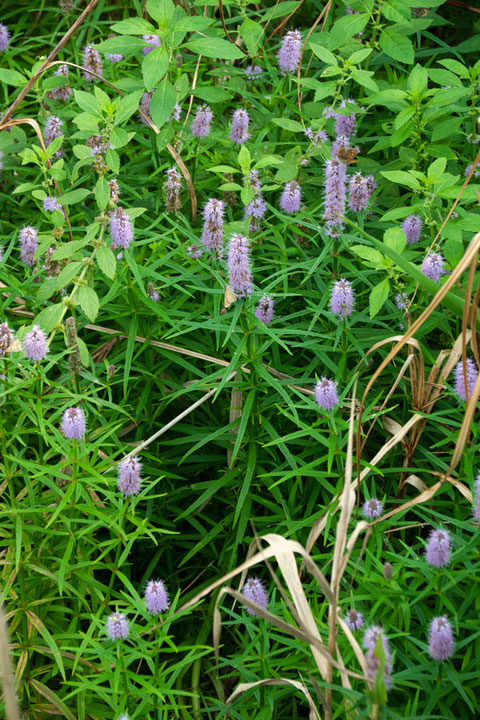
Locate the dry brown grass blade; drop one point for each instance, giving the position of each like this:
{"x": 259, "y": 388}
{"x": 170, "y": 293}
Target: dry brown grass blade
{"x": 423, "y": 497}
{"x": 8, "y": 684}
{"x": 359, "y": 528}
{"x": 284, "y": 21}
{"x": 465, "y": 427}
{"x": 245, "y": 687}
{"x": 236, "y": 408}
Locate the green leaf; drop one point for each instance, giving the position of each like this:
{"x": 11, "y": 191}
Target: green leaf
{"x": 402, "y": 178}
{"x": 12, "y": 77}
{"x": 398, "y": 47}
{"x": 113, "y": 161}
{"x": 214, "y": 47}
{"x": 453, "y": 251}
{"x": 456, "y": 67}
{"x": 396, "y": 10}
{"x": 102, "y": 192}
{"x": 47, "y": 289}
{"x": 74, "y": 196}
{"x": 280, "y": 10}
{"x": 162, "y": 103}
{"x": 212, "y": 94}
{"x": 359, "y": 56}
{"x": 190, "y": 23}
{"x": 87, "y": 102}
{"x": 84, "y": 354}
{"x": 327, "y": 88}
{"x": 437, "y": 168}
{"x": 161, "y": 11}
{"x": 251, "y": 32}
{"x": 68, "y": 249}
{"x": 124, "y": 45}
{"x": 126, "y": 106}
{"x": 106, "y": 261}
{"x": 68, "y": 273}
{"x": 88, "y": 300}
{"x": 133, "y": 26}
{"x": 325, "y": 55}
{"x": 447, "y": 128}
{"x": 364, "y": 78}
{"x": 346, "y": 27}
{"x": 154, "y": 66}
{"x": 378, "y": 296}
{"x": 244, "y": 159}
{"x": 418, "y": 80}
{"x": 87, "y": 121}
{"x": 369, "y": 254}
{"x": 395, "y": 238}
{"x": 50, "y": 317}
{"x": 288, "y": 124}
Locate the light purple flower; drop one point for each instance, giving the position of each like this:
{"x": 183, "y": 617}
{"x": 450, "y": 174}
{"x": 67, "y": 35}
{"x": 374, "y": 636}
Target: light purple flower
{"x": 156, "y": 597}
{"x": 437, "y": 552}
{"x": 329, "y": 113}
{"x": 92, "y": 62}
{"x": 255, "y": 210}
{"x": 432, "y": 267}
{"x": 335, "y": 192}
{"x": 129, "y": 479}
{"x": 340, "y": 142}
{"x": 476, "y": 509}
{"x": 172, "y": 186}
{"x": 440, "y": 644}
{"x": 35, "y": 343}
{"x": 114, "y": 57}
{"x": 316, "y": 136}
{"x": 194, "y": 251}
{"x": 175, "y": 114}
{"x": 152, "y": 293}
{"x": 239, "y": 132}
{"x": 471, "y": 374}
{"x": 114, "y": 190}
{"x": 201, "y": 121}
{"x": 289, "y": 53}
{"x": 326, "y": 393}
{"x": 62, "y": 92}
{"x": 53, "y": 129}
{"x": 120, "y": 229}
{"x": 4, "y": 37}
{"x": 345, "y": 124}
{"x": 28, "y": 245}
{"x": 264, "y": 310}
{"x": 50, "y": 204}
{"x": 6, "y": 338}
{"x": 467, "y": 171}
{"x": 372, "y": 508}
{"x": 74, "y": 424}
{"x": 254, "y": 590}
{"x": 117, "y": 626}
{"x": 354, "y": 620}
{"x": 370, "y": 638}
{"x": 212, "y": 235}
{"x": 412, "y": 227}
{"x": 291, "y": 197}
{"x": 239, "y": 271}
{"x": 253, "y": 71}
{"x": 153, "y": 42}
{"x": 358, "y": 192}
{"x": 342, "y": 298}
{"x": 402, "y": 301}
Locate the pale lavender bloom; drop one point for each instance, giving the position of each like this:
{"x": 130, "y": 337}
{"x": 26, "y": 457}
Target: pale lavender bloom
{"x": 329, "y": 113}
{"x": 35, "y": 343}
{"x": 326, "y": 393}
{"x": 201, "y": 121}
{"x": 402, "y": 301}
{"x": 239, "y": 132}
{"x": 257, "y": 207}
{"x": 289, "y": 53}
{"x": 253, "y": 71}
{"x": 345, "y": 124}
{"x": 335, "y": 192}
{"x": 212, "y": 235}
{"x": 28, "y": 245}
{"x": 437, "y": 551}
{"x": 123, "y": 717}
{"x": 129, "y": 479}
{"x": 264, "y": 310}
{"x": 440, "y": 644}
{"x": 471, "y": 374}
{"x": 50, "y": 204}
{"x": 370, "y": 184}
{"x": 354, "y": 620}
{"x": 176, "y": 113}
{"x": 342, "y": 298}
{"x": 152, "y": 293}
{"x": 114, "y": 57}
{"x": 117, "y": 626}
{"x": 145, "y": 106}
{"x": 74, "y": 424}
{"x": 172, "y": 186}
{"x": 467, "y": 171}
{"x": 153, "y": 42}
{"x": 6, "y": 338}
{"x": 412, "y": 227}
{"x": 291, "y": 197}
{"x": 340, "y": 142}
{"x": 53, "y": 129}
{"x": 370, "y": 638}
{"x": 62, "y": 92}
{"x": 358, "y": 192}
{"x": 114, "y": 190}
{"x": 316, "y": 136}
{"x": 476, "y": 510}
{"x": 239, "y": 271}
{"x": 473, "y": 138}
{"x": 4, "y": 37}
{"x": 432, "y": 267}
{"x": 254, "y": 590}
{"x": 254, "y": 181}
{"x": 372, "y": 508}
{"x": 194, "y": 251}
{"x": 92, "y": 62}
{"x": 120, "y": 229}
{"x": 156, "y": 597}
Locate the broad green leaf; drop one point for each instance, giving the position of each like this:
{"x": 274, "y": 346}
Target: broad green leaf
{"x": 346, "y": 27}
{"x": 74, "y": 196}
{"x": 395, "y": 238}
{"x": 88, "y": 300}
{"x": 47, "y": 289}
{"x": 327, "y": 88}
{"x": 214, "y": 47}
{"x": 325, "y": 55}
{"x": 133, "y": 26}
{"x": 68, "y": 273}
{"x": 68, "y": 249}
{"x": 398, "y": 47}
{"x": 280, "y": 10}
{"x": 123, "y": 45}
{"x": 402, "y": 178}
{"x": 369, "y": 254}
{"x": 190, "y": 23}
{"x": 453, "y": 251}
{"x": 87, "y": 102}
{"x": 378, "y": 296}
{"x": 251, "y": 32}
{"x": 162, "y": 103}
{"x": 396, "y": 10}
{"x": 154, "y": 66}
{"x": 288, "y": 124}
{"x": 161, "y": 10}
{"x": 212, "y": 94}
{"x": 106, "y": 261}
{"x": 418, "y": 80}
{"x": 456, "y": 67}
{"x": 364, "y": 78}
{"x": 126, "y": 106}
{"x": 12, "y": 77}
{"x": 102, "y": 192}
{"x": 50, "y": 317}
{"x": 359, "y": 55}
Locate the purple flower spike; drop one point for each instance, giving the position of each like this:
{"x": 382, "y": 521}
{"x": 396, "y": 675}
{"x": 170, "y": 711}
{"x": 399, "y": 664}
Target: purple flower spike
{"x": 74, "y": 424}
{"x": 253, "y": 71}
{"x": 153, "y": 42}
{"x": 342, "y": 298}
{"x": 156, "y": 597}
{"x": 62, "y": 92}
{"x": 194, "y": 251}
{"x": 120, "y": 229}
{"x": 172, "y": 187}
{"x": 316, "y": 136}
{"x": 291, "y": 197}
{"x": 264, "y": 311}
{"x": 289, "y": 53}
{"x": 354, "y": 620}
{"x": 437, "y": 552}
{"x": 92, "y": 62}
{"x": 440, "y": 644}
{"x": 201, "y": 121}
{"x": 472, "y": 374}
{"x": 35, "y": 343}
{"x": 28, "y": 245}
{"x": 476, "y": 509}
{"x": 212, "y": 235}
{"x": 239, "y": 132}
{"x": 50, "y": 204}
{"x": 117, "y": 626}
{"x": 240, "y": 274}
{"x": 254, "y": 590}
{"x": 4, "y": 37}
{"x": 129, "y": 479}
{"x": 326, "y": 393}
{"x": 345, "y": 124}
{"x": 402, "y": 301}
{"x": 53, "y": 129}
{"x": 359, "y": 192}
{"x": 372, "y": 508}
{"x": 335, "y": 192}
{"x": 114, "y": 57}
{"x": 370, "y": 638}
{"x": 432, "y": 267}
{"x": 412, "y": 227}
{"x": 6, "y": 338}
{"x": 176, "y": 113}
